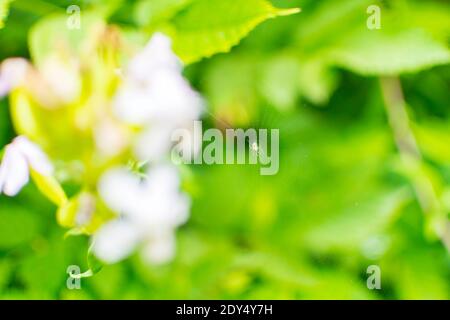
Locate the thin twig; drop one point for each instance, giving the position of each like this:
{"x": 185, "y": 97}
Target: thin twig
{"x": 395, "y": 106}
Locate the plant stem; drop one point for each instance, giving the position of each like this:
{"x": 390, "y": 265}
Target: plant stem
{"x": 395, "y": 106}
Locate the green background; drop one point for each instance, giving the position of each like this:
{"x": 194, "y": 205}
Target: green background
{"x": 342, "y": 200}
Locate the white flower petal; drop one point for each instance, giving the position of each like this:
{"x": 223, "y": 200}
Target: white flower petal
{"x": 12, "y": 73}
{"x": 163, "y": 177}
{"x": 154, "y": 89}
{"x": 120, "y": 190}
{"x": 172, "y": 98}
{"x": 166, "y": 98}
{"x": 167, "y": 209}
{"x": 132, "y": 104}
{"x": 154, "y": 143}
{"x": 35, "y": 157}
{"x": 115, "y": 241}
{"x": 156, "y": 55}
{"x": 162, "y": 205}
{"x": 14, "y": 173}
{"x": 4, "y": 86}
{"x": 181, "y": 209}
{"x": 3, "y": 175}
{"x": 152, "y": 209}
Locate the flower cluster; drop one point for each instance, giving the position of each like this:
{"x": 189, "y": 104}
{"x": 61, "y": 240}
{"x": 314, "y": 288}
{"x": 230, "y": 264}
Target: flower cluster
{"x": 151, "y": 210}
{"x": 153, "y": 95}
{"x": 109, "y": 125}
{"x": 156, "y": 95}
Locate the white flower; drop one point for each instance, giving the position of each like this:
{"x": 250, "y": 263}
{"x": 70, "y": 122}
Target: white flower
{"x": 150, "y": 211}
{"x": 166, "y": 96}
{"x": 154, "y": 89}
{"x": 154, "y": 143}
{"x": 12, "y": 73}
{"x": 157, "y": 54}
{"x": 19, "y": 157}
{"x": 155, "y": 95}
{"x": 115, "y": 241}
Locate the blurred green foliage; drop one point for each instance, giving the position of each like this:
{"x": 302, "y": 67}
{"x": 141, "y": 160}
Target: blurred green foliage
{"x": 343, "y": 199}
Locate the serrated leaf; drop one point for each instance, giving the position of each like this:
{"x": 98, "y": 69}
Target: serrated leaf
{"x": 375, "y": 52}
{"x": 4, "y": 10}
{"x": 206, "y": 27}
{"x": 49, "y": 187}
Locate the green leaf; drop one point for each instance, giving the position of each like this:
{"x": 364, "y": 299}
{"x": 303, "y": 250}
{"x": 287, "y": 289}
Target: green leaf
{"x": 432, "y": 16}
{"x": 4, "y": 10}
{"x": 321, "y": 27}
{"x": 350, "y": 229}
{"x": 206, "y": 27}
{"x": 378, "y": 52}
{"x": 105, "y": 8}
{"x": 152, "y": 12}
{"x": 280, "y": 81}
{"x": 317, "y": 81}
{"x": 433, "y": 138}
{"x": 230, "y": 88}
{"x": 286, "y": 77}
{"x": 49, "y": 187}
{"x": 52, "y": 33}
